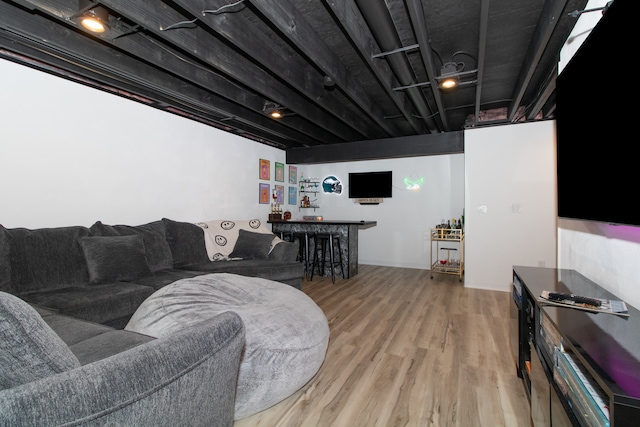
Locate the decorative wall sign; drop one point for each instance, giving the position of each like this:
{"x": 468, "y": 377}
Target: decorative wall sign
{"x": 279, "y": 194}
{"x": 293, "y": 195}
{"x": 264, "y": 191}
{"x": 331, "y": 184}
{"x": 265, "y": 172}
{"x": 279, "y": 172}
{"x": 413, "y": 183}
{"x": 293, "y": 175}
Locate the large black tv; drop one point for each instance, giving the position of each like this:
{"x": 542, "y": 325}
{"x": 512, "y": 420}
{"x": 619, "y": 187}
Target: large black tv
{"x": 365, "y": 185}
{"x": 597, "y": 166}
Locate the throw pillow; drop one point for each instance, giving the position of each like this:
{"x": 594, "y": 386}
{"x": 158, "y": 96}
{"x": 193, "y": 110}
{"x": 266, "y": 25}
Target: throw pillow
{"x": 157, "y": 250}
{"x": 252, "y": 245}
{"x": 114, "y": 259}
{"x": 29, "y": 349}
{"x": 186, "y": 241}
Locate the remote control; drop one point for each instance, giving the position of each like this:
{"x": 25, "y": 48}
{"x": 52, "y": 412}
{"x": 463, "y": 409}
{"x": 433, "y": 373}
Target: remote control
{"x": 558, "y": 296}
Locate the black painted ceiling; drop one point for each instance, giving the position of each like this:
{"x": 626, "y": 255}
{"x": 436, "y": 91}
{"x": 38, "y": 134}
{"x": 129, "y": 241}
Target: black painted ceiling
{"x": 221, "y": 61}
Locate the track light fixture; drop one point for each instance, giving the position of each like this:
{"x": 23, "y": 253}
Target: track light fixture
{"x": 329, "y": 83}
{"x": 448, "y": 76}
{"x": 92, "y": 17}
{"x": 273, "y": 110}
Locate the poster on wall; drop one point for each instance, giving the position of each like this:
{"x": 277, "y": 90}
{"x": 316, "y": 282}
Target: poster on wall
{"x": 264, "y": 171}
{"x": 293, "y": 175}
{"x": 263, "y": 194}
{"x": 279, "y": 172}
{"x": 279, "y": 194}
{"x": 293, "y": 195}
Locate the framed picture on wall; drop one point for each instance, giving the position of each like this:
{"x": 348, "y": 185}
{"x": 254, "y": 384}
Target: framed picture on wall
{"x": 279, "y": 194}
{"x": 293, "y": 195}
{"x": 293, "y": 175}
{"x": 265, "y": 172}
{"x": 263, "y": 193}
{"x": 279, "y": 172}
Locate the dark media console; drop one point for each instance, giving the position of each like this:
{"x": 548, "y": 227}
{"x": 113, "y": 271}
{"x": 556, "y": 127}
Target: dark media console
{"x": 579, "y": 368}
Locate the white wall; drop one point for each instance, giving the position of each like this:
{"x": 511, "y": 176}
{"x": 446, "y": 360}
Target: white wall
{"x": 401, "y": 237}
{"x": 510, "y": 200}
{"x": 72, "y": 155}
{"x": 607, "y": 254}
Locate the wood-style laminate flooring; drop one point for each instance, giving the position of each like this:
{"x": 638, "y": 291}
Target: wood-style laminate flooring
{"x": 408, "y": 350}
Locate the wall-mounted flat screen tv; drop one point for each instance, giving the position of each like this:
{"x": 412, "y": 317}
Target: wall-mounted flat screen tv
{"x": 597, "y": 168}
{"x": 364, "y": 185}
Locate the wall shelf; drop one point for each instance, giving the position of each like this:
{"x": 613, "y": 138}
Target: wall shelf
{"x": 308, "y": 186}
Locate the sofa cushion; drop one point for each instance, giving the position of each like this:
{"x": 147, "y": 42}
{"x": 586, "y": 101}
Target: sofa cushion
{"x": 114, "y": 258}
{"x": 108, "y": 344}
{"x": 186, "y": 241}
{"x": 90, "y": 341}
{"x": 95, "y": 303}
{"x": 72, "y": 330}
{"x": 46, "y": 258}
{"x": 157, "y": 250}
{"x": 163, "y": 278}
{"x": 285, "y": 251}
{"x": 272, "y": 270}
{"x": 29, "y": 349}
{"x": 252, "y": 245}
{"x": 5, "y": 262}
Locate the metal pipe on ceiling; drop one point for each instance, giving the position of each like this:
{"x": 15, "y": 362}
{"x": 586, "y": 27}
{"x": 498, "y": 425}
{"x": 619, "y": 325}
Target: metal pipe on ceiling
{"x": 378, "y": 19}
{"x": 416, "y": 15}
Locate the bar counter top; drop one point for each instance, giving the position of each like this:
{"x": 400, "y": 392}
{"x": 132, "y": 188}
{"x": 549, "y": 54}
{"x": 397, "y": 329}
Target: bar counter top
{"x": 346, "y": 230}
{"x": 361, "y": 224}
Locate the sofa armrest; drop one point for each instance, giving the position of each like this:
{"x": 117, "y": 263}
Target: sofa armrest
{"x": 188, "y": 378}
{"x": 285, "y": 251}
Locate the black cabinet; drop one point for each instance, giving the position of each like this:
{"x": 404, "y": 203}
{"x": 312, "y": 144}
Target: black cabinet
{"x": 565, "y": 356}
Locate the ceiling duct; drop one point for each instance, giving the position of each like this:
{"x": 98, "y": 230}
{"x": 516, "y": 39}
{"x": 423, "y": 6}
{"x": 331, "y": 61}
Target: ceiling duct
{"x": 378, "y": 19}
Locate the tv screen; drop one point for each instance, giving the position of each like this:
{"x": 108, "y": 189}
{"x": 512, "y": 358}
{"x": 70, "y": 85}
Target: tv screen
{"x": 596, "y": 160}
{"x": 363, "y": 185}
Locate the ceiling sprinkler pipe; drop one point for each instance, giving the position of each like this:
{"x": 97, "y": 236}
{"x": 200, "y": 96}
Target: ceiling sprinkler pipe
{"x": 377, "y": 16}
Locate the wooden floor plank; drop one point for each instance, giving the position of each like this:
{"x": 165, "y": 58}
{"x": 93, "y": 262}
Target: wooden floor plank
{"x": 407, "y": 350}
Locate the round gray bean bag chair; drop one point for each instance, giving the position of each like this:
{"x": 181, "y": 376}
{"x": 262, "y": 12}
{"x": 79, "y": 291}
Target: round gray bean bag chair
{"x": 286, "y": 333}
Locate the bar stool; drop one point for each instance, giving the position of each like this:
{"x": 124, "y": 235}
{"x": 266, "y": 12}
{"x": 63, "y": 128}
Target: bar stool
{"x": 304, "y": 238}
{"x": 321, "y": 242}
{"x": 287, "y": 236}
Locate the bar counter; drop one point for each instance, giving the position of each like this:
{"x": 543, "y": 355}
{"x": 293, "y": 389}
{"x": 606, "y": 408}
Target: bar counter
{"x": 346, "y": 230}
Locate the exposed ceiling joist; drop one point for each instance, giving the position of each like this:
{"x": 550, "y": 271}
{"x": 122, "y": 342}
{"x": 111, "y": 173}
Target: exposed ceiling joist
{"x": 343, "y": 70}
{"x": 293, "y": 25}
{"x": 349, "y": 17}
{"x": 549, "y": 18}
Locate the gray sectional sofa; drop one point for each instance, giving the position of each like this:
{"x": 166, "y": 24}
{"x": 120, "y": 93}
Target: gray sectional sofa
{"x": 109, "y": 377}
{"x": 103, "y": 273}
{"x": 65, "y": 296}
